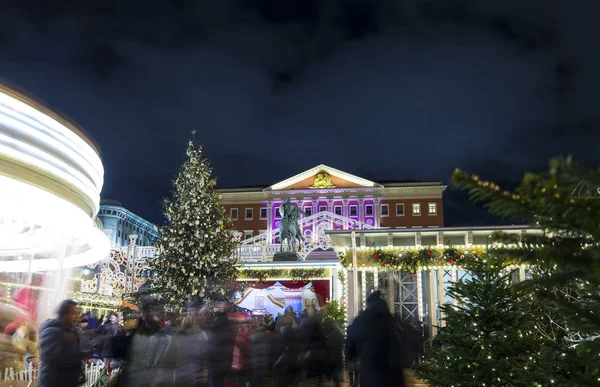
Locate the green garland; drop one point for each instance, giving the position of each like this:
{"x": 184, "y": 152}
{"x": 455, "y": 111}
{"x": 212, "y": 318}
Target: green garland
{"x": 412, "y": 260}
{"x": 263, "y": 275}
{"x": 96, "y": 300}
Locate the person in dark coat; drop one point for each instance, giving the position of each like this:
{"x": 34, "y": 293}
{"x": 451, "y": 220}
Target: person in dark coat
{"x": 86, "y": 334}
{"x": 286, "y": 369}
{"x": 352, "y": 366}
{"x": 370, "y": 339}
{"x": 60, "y": 356}
{"x": 219, "y": 354}
{"x": 335, "y": 345}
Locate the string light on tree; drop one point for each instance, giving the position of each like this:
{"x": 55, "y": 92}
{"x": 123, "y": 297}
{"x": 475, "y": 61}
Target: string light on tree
{"x": 491, "y": 321}
{"x": 195, "y": 260}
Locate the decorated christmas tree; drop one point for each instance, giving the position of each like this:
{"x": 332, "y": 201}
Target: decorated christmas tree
{"x": 490, "y": 337}
{"x": 564, "y": 262}
{"x": 195, "y": 260}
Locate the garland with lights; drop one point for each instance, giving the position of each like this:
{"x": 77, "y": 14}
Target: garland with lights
{"x": 263, "y": 275}
{"x": 413, "y": 260}
{"x": 96, "y": 300}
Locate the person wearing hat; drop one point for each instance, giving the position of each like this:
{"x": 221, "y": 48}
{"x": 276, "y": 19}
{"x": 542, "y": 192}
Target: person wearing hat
{"x": 371, "y": 339}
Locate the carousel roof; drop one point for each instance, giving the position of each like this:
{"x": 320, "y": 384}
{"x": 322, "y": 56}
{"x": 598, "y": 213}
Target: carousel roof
{"x": 51, "y": 176}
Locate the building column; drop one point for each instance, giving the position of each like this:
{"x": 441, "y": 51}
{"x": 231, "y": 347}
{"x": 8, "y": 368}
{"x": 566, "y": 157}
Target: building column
{"x": 314, "y": 212}
{"x": 330, "y": 205}
{"x": 269, "y": 221}
{"x": 441, "y": 297}
{"x": 469, "y": 238}
{"x": 440, "y": 239}
{"x": 131, "y": 261}
{"x": 361, "y": 208}
{"x": 353, "y": 299}
{"x": 392, "y": 288}
{"x": 431, "y": 303}
{"x": 345, "y": 212}
{"x": 377, "y": 201}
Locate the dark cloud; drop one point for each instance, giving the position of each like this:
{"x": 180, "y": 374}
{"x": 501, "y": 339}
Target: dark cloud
{"x": 386, "y": 90}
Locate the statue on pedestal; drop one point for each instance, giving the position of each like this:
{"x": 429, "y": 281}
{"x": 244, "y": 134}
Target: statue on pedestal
{"x": 289, "y": 228}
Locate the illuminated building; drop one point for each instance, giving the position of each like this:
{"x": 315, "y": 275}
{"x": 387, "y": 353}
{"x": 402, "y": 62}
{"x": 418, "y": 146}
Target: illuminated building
{"x": 119, "y": 223}
{"x": 332, "y": 199}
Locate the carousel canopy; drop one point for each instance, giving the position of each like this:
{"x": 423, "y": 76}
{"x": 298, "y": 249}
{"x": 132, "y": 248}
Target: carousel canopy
{"x": 51, "y": 176}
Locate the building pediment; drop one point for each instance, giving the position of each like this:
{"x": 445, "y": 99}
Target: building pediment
{"x": 322, "y": 177}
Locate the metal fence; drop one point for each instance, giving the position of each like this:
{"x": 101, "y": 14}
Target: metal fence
{"x": 30, "y": 373}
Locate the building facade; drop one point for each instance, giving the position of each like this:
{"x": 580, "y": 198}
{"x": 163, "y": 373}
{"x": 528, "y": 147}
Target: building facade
{"x": 322, "y": 189}
{"x": 119, "y": 224}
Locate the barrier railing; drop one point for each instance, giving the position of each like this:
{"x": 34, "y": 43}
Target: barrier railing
{"x": 30, "y": 374}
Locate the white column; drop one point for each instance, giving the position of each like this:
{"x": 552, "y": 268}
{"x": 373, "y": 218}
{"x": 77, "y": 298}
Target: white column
{"x": 441, "y": 295}
{"x": 420, "y": 294}
{"x": 431, "y": 303}
{"x": 314, "y": 212}
{"x": 363, "y": 290}
{"x": 454, "y": 280}
{"x": 346, "y": 213}
{"x": 392, "y": 289}
{"x": 440, "y": 239}
{"x": 377, "y": 212}
{"x": 354, "y": 297}
{"x": 361, "y": 207}
{"x": 330, "y": 205}
{"x": 335, "y": 293}
{"x": 131, "y": 261}
{"x": 269, "y": 221}
{"x": 418, "y": 239}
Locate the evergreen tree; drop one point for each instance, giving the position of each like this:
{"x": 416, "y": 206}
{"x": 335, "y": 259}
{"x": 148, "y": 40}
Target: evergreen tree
{"x": 489, "y": 338}
{"x": 565, "y": 261}
{"x": 194, "y": 261}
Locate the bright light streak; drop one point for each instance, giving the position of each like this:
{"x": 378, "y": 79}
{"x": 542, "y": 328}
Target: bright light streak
{"x": 48, "y": 221}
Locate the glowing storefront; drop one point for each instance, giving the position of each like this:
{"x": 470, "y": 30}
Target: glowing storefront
{"x": 51, "y": 176}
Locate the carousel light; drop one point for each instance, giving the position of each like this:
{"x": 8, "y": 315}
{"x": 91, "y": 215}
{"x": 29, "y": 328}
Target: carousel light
{"x": 50, "y": 182}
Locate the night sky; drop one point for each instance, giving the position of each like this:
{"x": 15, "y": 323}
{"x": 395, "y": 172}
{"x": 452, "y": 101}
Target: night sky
{"x": 384, "y": 89}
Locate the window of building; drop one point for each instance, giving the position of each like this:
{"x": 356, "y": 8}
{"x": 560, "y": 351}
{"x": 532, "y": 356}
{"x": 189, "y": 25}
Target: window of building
{"x": 277, "y": 215}
{"x": 369, "y": 210}
{"x": 119, "y": 233}
{"x": 399, "y": 209}
{"x": 263, "y": 213}
{"x": 432, "y": 207}
{"x": 385, "y": 210}
{"x": 322, "y": 208}
{"x": 308, "y": 211}
{"x": 353, "y": 210}
{"x": 416, "y": 209}
{"x": 233, "y": 213}
{"x": 337, "y": 210}
{"x": 248, "y": 234}
{"x": 249, "y": 213}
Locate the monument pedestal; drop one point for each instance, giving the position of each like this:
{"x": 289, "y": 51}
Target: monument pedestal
{"x": 283, "y": 256}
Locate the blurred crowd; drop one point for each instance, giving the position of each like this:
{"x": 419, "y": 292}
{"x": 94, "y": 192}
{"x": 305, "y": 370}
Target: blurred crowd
{"x": 208, "y": 345}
